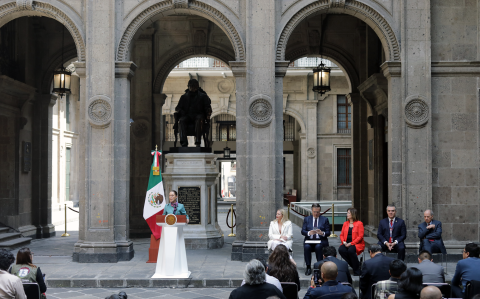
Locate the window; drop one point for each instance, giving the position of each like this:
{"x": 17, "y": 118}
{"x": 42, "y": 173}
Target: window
{"x": 344, "y": 167}
{"x": 228, "y": 132}
{"x": 344, "y": 115}
{"x": 67, "y": 173}
{"x": 67, "y": 112}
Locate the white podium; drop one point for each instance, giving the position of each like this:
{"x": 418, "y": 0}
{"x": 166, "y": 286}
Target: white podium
{"x": 172, "y": 257}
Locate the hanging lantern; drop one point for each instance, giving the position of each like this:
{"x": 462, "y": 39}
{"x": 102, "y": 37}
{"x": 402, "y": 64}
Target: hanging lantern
{"x": 61, "y": 81}
{"x": 226, "y": 153}
{"x": 321, "y": 79}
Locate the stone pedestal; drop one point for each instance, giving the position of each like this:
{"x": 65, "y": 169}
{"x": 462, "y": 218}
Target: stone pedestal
{"x": 197, "y": 172}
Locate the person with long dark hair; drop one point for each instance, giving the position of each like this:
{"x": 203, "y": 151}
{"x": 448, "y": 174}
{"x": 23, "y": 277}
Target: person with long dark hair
{"x": 282, "y": 267}
{"x": 26, "y": 270}
{"x": 410, "y": 285}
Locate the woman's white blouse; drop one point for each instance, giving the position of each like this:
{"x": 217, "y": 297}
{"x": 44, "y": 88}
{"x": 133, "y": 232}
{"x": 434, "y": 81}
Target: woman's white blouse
{"x": 274, "y": 233}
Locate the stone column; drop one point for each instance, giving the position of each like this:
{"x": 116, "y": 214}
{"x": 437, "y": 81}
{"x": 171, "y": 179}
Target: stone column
{"x": 417, "y": 98}
{"x": 359, "y": 154}
{"x": 81, "y": 71}
{"x": 392, "y": 71}
{"x": 310, "y": 152}
{"x": 124, "y": 71}
{"x": 159, "y": 125}
{"x": 46, "y": 103}
{"x": 261, "y": 130}
{"x": 105, "y": 132}
{"x": 239, "y": 71}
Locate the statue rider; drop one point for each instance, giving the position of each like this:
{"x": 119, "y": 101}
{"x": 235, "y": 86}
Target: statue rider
{"x": 193, "y": 108}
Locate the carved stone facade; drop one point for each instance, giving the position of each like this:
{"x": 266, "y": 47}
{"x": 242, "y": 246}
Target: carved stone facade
{"x": 414, "y": 107}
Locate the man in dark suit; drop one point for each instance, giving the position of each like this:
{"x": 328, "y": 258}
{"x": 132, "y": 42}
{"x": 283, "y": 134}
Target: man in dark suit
{"x": 467, "y": 269}
{"x": 316, "y": 229}
{"x": 392, "y": 232}
{"x": 431, "y": 272}
{"x": 430, "y": 234}
{"x": 330, "y": 255}
{"x": 374, "y": 270}
{"x": 331, "y": 288}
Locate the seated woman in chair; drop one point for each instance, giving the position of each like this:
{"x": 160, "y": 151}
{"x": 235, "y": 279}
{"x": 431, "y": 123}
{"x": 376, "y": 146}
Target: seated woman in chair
{"x": 174, "y": 207}
{"x": 280, "y": 231}
{"x": 352, "y": 240}
{"x": 27, "y": 271}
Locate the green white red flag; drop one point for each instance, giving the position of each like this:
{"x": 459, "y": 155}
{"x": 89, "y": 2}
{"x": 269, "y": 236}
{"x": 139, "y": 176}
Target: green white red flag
{"x": 155, "y": 198}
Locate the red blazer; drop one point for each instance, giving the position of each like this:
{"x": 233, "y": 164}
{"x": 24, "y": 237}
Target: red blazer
{"x": 357, "y": 235}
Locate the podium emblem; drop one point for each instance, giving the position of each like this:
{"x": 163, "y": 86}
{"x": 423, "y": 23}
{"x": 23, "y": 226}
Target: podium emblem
{"x": 171, "y": 219}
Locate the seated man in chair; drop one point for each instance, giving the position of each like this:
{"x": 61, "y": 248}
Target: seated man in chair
{"x": 430, "y": 234}
{"x": 194, "y": 108}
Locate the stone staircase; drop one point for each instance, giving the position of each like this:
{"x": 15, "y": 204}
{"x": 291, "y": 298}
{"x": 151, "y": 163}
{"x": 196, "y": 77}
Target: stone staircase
{"x": 11, "y": 240}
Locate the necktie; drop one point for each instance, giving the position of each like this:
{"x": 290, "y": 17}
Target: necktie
{"x": 391, "y": 229}
{"x": 315, "y": 225}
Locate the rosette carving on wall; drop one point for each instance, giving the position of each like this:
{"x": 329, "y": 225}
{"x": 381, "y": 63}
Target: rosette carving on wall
{"x": 260, "y": 111}
{"x": 311, "y": 153}
{"x": 416, "y": 111}
{"x": 100, "y": 111}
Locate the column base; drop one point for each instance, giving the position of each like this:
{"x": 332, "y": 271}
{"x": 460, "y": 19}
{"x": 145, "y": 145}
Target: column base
{"x": 45, "y": 231}
{"x": 103, "y": 252}
{"x": 246, "y": 251}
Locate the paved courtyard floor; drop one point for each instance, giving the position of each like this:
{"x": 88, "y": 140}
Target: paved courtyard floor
{"x": 214, "y": 275}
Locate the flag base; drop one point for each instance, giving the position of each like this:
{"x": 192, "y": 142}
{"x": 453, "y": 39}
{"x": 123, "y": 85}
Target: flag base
{"x": 153, "y": 250}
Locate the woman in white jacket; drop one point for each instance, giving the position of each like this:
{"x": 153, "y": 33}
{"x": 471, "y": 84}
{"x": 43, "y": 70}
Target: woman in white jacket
{"x": 280, "y": 231}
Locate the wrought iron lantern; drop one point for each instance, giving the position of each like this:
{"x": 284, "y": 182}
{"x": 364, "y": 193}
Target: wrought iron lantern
{"x": 61, "y": 77}
{"x": 61, "y": 81}
{"x": 321, "y": 78}
{"x": 226, "y": 152}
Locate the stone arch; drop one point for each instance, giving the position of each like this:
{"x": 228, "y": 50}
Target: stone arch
{"x": 231, "y": 112}
{"x": 70, "y": 20}
{"x": 196, "y": 8}
{"x": 298, "y": 117}
{"x": 180, "y": 56}
{"x": 335, "y": 55}
{"x": 354, "y": 8}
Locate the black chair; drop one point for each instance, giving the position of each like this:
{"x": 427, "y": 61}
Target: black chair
{"x": 290, "y": 290}
{"x": 445, "y": 288}
{"x": 32, "y": 290}
{"x": 372, "y": 291}
{"x": 472, "y": 288}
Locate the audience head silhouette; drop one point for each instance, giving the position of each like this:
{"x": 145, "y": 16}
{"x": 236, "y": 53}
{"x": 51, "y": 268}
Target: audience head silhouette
{"x": 430, "y": 292}
{"x": 411, "y": 281}
{"x": 6, "y": 259}
{"x": 396, "y": 268}
{"x": 329, "y": 271}
{"x": 254, "y": 273}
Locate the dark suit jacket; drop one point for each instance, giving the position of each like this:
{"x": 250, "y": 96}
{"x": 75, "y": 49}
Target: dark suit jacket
{"x": 399, "y": 232}
{"x": 257, "y": 291}
{"x": 432, "y": 234}
{"x": 343, "y": 272}
{"x": 374, "y": 270}
{"x": 323, "y": 225}
{"x": 432, "y": 273}
{"x": 330, "y": 290}
{"x": 467, "y": 269}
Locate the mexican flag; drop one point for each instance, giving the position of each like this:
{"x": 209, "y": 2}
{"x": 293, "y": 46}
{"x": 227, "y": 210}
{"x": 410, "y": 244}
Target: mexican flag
{"x": 155, "y": 198}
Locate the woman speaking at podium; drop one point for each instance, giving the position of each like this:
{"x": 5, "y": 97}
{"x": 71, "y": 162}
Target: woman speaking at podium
{"x": 174, "y": 207}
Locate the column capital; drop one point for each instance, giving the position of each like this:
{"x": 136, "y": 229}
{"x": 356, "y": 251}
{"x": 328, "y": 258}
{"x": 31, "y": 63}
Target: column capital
{"x": 80, "y": 69}
{"x": 391, "y": 69}
{"x": 281, "y": 68}
{"x": 353, "y": 98}
{"x": 125, "y": 69}
{"x": 239, "y": 68}
{"x": 159, "y": 99}
{"x": 46, "y": 99}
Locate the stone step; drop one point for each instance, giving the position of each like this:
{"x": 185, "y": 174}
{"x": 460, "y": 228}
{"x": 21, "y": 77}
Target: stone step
{"x": 4, "y": 230}
{"x": 15, "y": 243}
{"x": 9, "y": 236}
